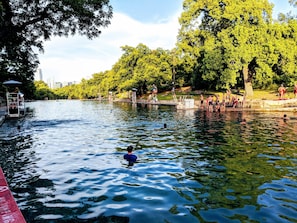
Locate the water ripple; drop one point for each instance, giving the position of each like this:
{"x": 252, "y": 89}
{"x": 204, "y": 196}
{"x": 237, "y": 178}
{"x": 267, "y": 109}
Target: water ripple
{"x": 66, "y": 164}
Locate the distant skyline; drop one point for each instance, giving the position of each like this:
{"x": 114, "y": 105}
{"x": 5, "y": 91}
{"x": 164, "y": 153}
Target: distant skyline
{"x": 151, "y": 22}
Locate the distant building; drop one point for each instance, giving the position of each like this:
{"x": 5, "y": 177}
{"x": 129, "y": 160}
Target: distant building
{"x": 38, "y": 75}
{"x": 50, "y": 83}
{"x": 58, "y": 85}
{"x": 53, "y": 84}
{"x": 67, "y": 84}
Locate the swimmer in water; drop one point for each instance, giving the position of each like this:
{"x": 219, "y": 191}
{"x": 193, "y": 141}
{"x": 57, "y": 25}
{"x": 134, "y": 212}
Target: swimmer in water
{"x": 130, "y": 157}
{"x": 243, "y": 122}
{"x": 286, "y": 117}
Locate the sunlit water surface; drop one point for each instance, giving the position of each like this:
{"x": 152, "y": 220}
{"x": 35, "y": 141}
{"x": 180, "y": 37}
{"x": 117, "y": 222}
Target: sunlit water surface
{"x": 66, "y": 164}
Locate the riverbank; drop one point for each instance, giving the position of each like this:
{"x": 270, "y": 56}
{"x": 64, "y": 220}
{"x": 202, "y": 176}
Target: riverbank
{"x": 252, "y": 105}
{"x": 248, "y": 105}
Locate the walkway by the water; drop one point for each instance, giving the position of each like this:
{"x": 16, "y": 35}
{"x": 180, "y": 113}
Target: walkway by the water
{"x": 249, "y": 105}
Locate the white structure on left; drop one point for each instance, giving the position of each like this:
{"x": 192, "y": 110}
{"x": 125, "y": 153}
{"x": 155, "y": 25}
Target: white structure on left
{"x": 15, "y": 99}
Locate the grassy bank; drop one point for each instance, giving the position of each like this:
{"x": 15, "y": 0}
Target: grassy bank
{"x": 186, "y": 92}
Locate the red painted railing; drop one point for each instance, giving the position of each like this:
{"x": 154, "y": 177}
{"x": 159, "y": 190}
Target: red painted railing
{"x": 9, "y": 210}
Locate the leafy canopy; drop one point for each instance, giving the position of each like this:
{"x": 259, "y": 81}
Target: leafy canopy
{"x": 222, "y": 40}
{"x": 26, "y": 24}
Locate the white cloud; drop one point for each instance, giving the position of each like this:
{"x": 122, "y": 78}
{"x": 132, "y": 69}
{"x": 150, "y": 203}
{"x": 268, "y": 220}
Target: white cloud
{"x": 74, "y": 58}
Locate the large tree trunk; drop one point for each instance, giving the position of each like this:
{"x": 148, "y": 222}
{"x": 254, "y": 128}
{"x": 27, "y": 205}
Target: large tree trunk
{"x": 248, "y": 87}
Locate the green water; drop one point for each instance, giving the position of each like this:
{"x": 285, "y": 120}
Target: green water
{"x": 66, "y": 164}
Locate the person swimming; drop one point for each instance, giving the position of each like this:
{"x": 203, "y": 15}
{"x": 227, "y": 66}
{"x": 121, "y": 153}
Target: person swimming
{"x": 130, "y": 157}
{"x": 243, "y": 122}
{"x": 285, "y": 117}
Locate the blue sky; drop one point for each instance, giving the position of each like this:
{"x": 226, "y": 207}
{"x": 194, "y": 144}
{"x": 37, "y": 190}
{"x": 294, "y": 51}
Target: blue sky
{"x": 281, "y": 6}
{"x": 147, "y": 11}
{"x": 151, "y": 22}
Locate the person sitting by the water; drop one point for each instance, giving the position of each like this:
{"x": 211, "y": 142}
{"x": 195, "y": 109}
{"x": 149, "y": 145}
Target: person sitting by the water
{"x": 154, "y": 89}
{"x": 131, "y": 158}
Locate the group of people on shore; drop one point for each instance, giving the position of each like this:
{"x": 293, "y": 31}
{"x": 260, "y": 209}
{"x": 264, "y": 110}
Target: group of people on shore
{"x": 283, "y": 90}
{"x": 213, "y": 103}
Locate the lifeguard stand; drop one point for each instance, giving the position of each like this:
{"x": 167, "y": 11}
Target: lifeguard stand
{"x": 15, "y": 100}
{"x": 15, "y": 104}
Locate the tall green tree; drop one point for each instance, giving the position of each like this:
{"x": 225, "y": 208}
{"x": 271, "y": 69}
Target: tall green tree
{"x": 25, "y": 25}
{"x": 221, "y": 39}
{"x": 154, "y": 68}
{"x": 277, "y": 61}
{"x": 124, "y": 69}
{"x": 43, "y": 91}
{"x": 140, "y": 67}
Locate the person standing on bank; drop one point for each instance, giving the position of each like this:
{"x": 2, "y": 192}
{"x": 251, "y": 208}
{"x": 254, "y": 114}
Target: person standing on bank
{"x": 130, "y": 157}
{"x": 154, "y": 93}
{"x": 201, "y": 100}
{"x": 281, "y": 91}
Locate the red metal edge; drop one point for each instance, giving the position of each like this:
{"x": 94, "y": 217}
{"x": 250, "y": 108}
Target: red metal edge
{"x": 9, "y": 210}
